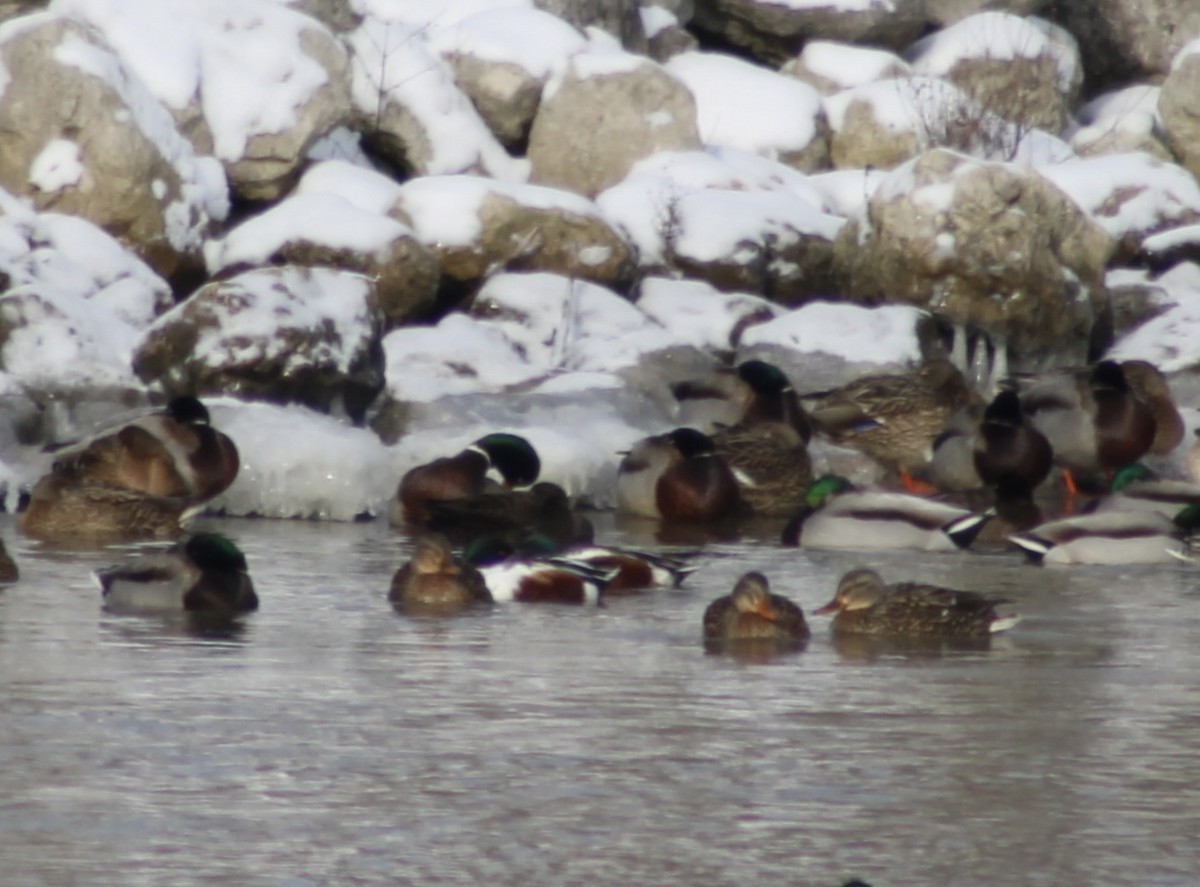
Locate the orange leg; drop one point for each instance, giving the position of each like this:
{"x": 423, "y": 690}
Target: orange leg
{"x": 913, "y": 485}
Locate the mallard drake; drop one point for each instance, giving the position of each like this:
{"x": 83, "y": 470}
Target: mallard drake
{"x": 836, "y": 515}
{"x": 755, "y": 391}
{"x": 1109, "y": 537}
{"x": 894, "y": 419}
{"x": 544, "y": 509}
{"x": 495, "y": 462}
{"x": 1009, "y": 452}
{"x": 60, "y": 509}
{"x": 771, "y": 464}
{"x": 1150, "y": 386}
{"x": 206, "y": 575}
{"x": 951, "y": 466}
{"x": 864, "y": 604}
{"x": 8, "y": 567}
{"x": 173, "y": 453}
{"x": 752, "y": 613}
{"x": 435, "y": 580}
{"x": 510, "y": 576}
{"x": 1136, "y": 488}
{"x": 677, "y": 476}
{"x": 1094, "y": 422}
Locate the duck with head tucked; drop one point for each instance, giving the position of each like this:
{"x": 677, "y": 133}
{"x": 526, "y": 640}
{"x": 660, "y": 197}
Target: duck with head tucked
{"x": 62, "y": 510}
{"x": 752, "y": 393}
{"x": 206, "y": 575}
{"x": 837, "y": 515}
{"x": 436, "y": 581}
{"x": 1117, "y": 536}
{"x": 895, "y": 418}
{"x": 678, "y": 476}
{"x": 511, "y": 575}
{"x": 494, "y": 463}
{"x": 173, "y": 453}
{"x": 864, "y": 604}
{"x": 752, "y": 613}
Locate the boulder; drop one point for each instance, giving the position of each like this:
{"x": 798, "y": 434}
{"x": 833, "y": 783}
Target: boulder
{"x": 1121, "y": 122}
{"x": 774, "y": 32}
{"x": 606, "y": 111}
{"x": 830, "y": 67}
{"x": 1179, "y": 106}
{"x": 1128, "y": 40}
{"x": 620, "y": 18}
{"x": 289, "y": 74}
{"x": 1025, "y": 70}
{"x": 501, "y": 60}
{"x": 986, "y": 246}
{"x": 285, "y": 335}
{"x": 320, "y": 229}
{"x": 947, "y": 12}
{"x": 84, "y": 136}
{"x": 476, "y": 226}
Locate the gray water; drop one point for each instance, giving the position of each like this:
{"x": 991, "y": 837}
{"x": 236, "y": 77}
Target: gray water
{"x": 333, "y": 741}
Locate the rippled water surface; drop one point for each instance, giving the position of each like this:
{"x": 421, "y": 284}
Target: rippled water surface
{"x": 333, "y": 741}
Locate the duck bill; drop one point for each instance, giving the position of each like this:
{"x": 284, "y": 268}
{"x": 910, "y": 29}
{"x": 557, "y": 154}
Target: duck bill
{"x": 766, "y": 611}
{"x": 831, "y": 607}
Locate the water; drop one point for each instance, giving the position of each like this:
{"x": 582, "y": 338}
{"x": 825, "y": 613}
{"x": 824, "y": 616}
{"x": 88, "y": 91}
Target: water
{"x": 333, "y": 741}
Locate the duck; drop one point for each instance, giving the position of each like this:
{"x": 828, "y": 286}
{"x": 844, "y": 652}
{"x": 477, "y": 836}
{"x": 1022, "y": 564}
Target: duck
{"x": 677, "y": 476}
{"x": 1150, "y": 386}
{"x": 542, "y": 510}
{"x": 1093, "y": 420}
{"x": 8, "y": 567}
{"x": 837, "y": 515}
{"x": 752, "y": 392}
{"x": 512, "y": 576}
{"x": 1110, "y": 537}
{"x": 1193, "y": 457}
{"x": 205, "y": 575}
{"x": 60, "y": 509}
{"x": 951, "y": 467}
{"x": 1010, "y": 453}
{"x": 865, "y": 605}
{"x": 1136, "y": 488}
{"x": 894, "y": 418}
{"x": 752, "y": 613}
{"x": 173, "y": 453}
{"x": 771, "y": 464}
{"x": 435, "y": 580}
{"x": 634, "y": 569}
{"x": 495, "y": 462}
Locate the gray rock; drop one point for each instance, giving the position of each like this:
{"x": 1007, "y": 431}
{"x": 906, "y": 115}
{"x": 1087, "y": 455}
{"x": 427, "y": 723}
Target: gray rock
{"x": 592, "y": 128}
{"x": 1179, "y": 105}
{"x": 621, "y": 18}
{"x": 982, "y": 245}
{"x": 774, "y": 32}
{"x": 285, "y": 335}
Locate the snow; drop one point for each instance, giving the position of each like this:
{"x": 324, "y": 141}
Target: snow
{"x": 579, "y": 369}
{"x": 56, "y": 167}
{"x": 745, "y": 106}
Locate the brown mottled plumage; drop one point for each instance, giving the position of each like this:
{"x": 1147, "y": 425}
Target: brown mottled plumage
{"x": 435, "y": 580}
{"x": 1150, "y": 386}
{"x": 771, "y": 463}
{"x": 864, "y": 604}
{"x": 60, "y": 509}
{"x": 752, "y": 613}
{"x": 894, "y": 419}
{"x": 8, "y": 567}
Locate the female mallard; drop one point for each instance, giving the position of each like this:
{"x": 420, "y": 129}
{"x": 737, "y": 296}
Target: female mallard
{"x": 754, "y": 392}
{"x": 1094, "y": 422}
{"x": 435, "y": 580}
{"x": 494, "y": 462}
{"x": 752, "y": 613}
{"x": 173, "y": 453}
{"x": 1150, "y": 386}
{"x": 60, "y": 509}
{"x": 864, "y": 604}
{"x": 8, "y": 567}
{"x": 677, "y": 476}
{"x": 206, "y": 575}
{"x": 1010, "y": 454}
{"x": 894, "y": 419}
{"x": 836, "y": 515}
{"x": 1110, "y": 537}
{"x": 771, "y": 464}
